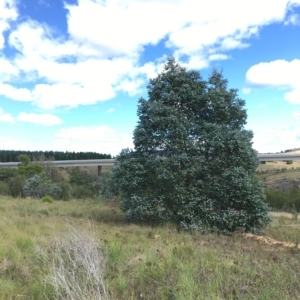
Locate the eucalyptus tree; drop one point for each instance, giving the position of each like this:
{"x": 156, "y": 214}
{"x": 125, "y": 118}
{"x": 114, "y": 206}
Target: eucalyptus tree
{"x": 193, "y": 162}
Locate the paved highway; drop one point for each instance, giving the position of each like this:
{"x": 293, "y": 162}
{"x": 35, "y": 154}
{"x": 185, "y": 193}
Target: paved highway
{"x": 69, "y": 163}
{"x": 110, "y": 162}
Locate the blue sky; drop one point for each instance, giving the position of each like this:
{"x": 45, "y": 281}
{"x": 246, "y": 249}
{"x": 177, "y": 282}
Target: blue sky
{"x": 71, "y": 72}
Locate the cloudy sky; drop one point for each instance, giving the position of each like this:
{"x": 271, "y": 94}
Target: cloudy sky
{"x": 71, "y": 72}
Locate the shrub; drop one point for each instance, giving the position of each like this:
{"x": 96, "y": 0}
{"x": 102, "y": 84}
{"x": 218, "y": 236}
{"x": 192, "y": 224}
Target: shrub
{"x": 24, "y": 159}
{"x": 65, "y": 190}
{"x": 48, "y": 199}
{"x": 81, "y": 192}
{"x": 6, "y": 173}
{"x": 38, "y": 187}
{"x": 289, "y": 162}
{"x": 15, "y": 186}
{"x": 78, "y": 177}
{"x": 29, "y": 170}
{"x": 4, "y": 188}
{"x": 286, "y": 201}
{"x": 105, "y": 186}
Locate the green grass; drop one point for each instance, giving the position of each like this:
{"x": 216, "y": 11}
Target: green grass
{"x": 143, "y": 261}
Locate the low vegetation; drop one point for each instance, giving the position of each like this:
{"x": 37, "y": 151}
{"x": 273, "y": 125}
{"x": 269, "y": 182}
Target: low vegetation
{"x": 40, "y": 178}
{"x": 133, "y": 261}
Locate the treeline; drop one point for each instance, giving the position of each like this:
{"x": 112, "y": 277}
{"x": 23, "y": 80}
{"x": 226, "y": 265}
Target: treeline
{"x": 13, "y": 155}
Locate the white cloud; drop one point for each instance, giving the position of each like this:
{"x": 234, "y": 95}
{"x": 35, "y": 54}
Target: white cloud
{"x": 280, "y": 74}
{"x": 246, "y": 90}
{"x": 293, "y": 20}
{"x": 7, "y": 70}
{"x": 5, "y": 117}
{"x": 42, "y": 119}
{"x": 276, "y": 139}
{"x": 293, "y": 97}
{"x": 119, "y": 28}
{"x": 9, "y": 143}
{"x": 111, "y": 110}
{"x": 8, "y": 13}
{"x": 102, "y": 139}
{"x": 9, "y": 91}
{"x": 49, "y": 96}
{"x": 296, "y": 114}
{"x": 261, "y": 105}
{"x": 218, "y": 57}
{"x": 100, "y": 57}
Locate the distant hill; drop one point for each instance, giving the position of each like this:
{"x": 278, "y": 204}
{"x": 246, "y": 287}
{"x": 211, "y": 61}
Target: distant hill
{"x": 13, "y": 155}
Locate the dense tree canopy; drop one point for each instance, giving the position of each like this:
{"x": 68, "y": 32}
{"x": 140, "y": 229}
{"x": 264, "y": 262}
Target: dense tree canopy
{"x": 193, "y": 162}
{"x": 13, "y": 155}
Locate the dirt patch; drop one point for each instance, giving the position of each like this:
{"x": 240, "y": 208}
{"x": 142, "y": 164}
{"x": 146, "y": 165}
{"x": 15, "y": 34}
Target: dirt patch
{"x": 283, "y": 214}
{"x": 270, "y": 242}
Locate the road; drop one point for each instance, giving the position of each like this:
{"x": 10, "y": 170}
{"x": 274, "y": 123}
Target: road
{"x": 110, "y": 162}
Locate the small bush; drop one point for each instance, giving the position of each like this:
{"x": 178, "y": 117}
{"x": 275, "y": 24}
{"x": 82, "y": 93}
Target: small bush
{"x": 6, "y": 173}
{"x": 65, "y": 190}
{"x": 15, "y": 186}
{"x": 48, "y": 199}
{"x": 286, "y": 201}
{"x": 38, "y": 187}
{"x": 81, "y": 192}
{"x": 3, "y": 188}
{"x": 79, "y": 177}
{"x": 105, "y": 186}
{"x": 289, "y": 162}
{"x": 29, "y": 170}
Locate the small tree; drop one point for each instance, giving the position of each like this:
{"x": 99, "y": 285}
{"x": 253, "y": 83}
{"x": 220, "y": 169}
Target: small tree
{"x": 105, "y": 186}
{"x": 38, "y": 187}
{"x": 24, "y": 159}
{"x": 15, "y": 186}
{"x": 193, "y": 162}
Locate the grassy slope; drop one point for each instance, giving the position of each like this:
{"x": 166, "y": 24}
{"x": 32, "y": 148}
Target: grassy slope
{"x": 272, "y": 173}
{"x": 145, "y": 262}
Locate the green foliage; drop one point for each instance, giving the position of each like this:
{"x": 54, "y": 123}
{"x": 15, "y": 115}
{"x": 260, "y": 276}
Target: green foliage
{"x": 13, "y": 155}
{"x": 38, "y": 187}
{"x": 79, "y": 177}
{"x": 286, "y": 201}
{"x": 194, "y": 164}
{"x": 289, "y": 162}
{"x": 15, "y": 186}
{"x": 29, "y": 170}
{"x": 65, "y": 190}
{"x": 82, "y": 184}
{"x": 24, "y": 159}
{"x": 48, "y": 199}
{"x": 81, "y": 192}
{"x": 6, "y": 173}
{"x": 4, "y": 188}
{"x": 105, "y": 186}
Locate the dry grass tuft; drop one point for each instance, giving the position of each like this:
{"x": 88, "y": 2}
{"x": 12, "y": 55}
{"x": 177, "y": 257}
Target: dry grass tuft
{"x": 77, "y": 267}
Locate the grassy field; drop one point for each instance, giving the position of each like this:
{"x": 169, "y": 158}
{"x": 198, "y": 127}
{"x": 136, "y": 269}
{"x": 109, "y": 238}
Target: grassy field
{"x": 139, "y": 261}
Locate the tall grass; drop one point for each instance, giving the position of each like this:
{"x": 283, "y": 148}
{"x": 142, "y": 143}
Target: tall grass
{"x": 55, "y": 255}
{"x": 284, "y": 201}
